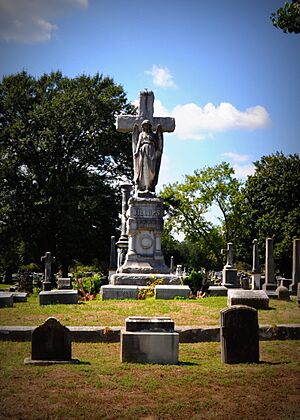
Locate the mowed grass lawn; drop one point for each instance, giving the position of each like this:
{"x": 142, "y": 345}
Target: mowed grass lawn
{"x": 198, "y": 312}
{"x": 101, "y": 387}
{"x": 199, "y": 387}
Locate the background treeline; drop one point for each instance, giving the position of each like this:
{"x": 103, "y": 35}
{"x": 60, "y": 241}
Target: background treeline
{"x": 61, "y": 163}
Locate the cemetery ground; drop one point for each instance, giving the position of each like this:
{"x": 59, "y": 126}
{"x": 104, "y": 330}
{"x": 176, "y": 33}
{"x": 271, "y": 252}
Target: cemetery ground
{"x": 200, "y": 386}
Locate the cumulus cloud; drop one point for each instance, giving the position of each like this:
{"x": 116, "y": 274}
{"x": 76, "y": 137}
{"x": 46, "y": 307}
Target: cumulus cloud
{"x": 243, "y": 171}
{"x": 196, "y": 122}
{"x": 161, "y": 76}
{"x": 236, "y": 157}
{"x": 30, "y": 21}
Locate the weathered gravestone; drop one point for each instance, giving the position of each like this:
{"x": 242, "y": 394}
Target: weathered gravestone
{"x": 296, "y": 266}
{"x": 149, "y": 340}
{"x": 269, "y": 286}
{"x": 239, "y": 335}
{"x": 255, "y": 276}
{"x": 51, "y": 343}
{"x": 48, "y": 260}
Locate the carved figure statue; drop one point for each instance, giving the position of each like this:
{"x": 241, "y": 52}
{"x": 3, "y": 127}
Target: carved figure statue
{"x": 147, "y": 148}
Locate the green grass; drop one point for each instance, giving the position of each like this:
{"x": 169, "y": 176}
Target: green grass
{"x": 203, "y": 312}
{"x": 104, "y": 388}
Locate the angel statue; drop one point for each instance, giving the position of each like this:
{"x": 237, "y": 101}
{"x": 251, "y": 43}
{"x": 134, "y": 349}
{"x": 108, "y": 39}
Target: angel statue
{"x": 147, "y": 148}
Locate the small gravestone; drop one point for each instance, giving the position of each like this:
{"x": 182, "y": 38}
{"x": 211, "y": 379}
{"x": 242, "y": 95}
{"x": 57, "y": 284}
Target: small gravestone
{"x": 283, "y": 293}
{"x": 239, "y": 335}
{"x": 149, "y": 340}
{"x": 6, "y": 300}
{"x": 51, "y": 343}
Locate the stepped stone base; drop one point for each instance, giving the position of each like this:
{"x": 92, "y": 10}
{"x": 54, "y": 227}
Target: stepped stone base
{"x": 171, "y": 292}
{"x": 217, "y": 291}
{"x": 110, "y": 291}
{"x": 142, "y": 279}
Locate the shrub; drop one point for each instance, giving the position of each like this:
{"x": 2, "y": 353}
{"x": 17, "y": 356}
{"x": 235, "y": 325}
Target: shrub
{"x": 194, "y": 281}
{"x": 149, "y": 290}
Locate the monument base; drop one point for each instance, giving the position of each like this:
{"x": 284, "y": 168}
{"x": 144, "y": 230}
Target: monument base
{"x": 255, "y": 281}
{"x": 229, "y": 278}
{"x": 142, "y": 279}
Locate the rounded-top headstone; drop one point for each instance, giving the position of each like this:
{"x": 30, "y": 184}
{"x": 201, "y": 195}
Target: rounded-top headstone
{"x": 51, "y": 341}
{"x": 283, "y": 293}
{"x": 239, "y": 335}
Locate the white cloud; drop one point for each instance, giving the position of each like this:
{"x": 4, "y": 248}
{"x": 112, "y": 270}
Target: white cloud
{"x": 196, "y": 122}
{"x": 236, "y": 157}
{"x": 161, "y": 76}
{"x": 242, "y": 171}
{"x": 30, "y": 21}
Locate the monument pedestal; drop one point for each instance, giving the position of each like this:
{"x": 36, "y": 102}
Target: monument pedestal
{"x": 229, "y": 278}
{"x": 255, "y": 281}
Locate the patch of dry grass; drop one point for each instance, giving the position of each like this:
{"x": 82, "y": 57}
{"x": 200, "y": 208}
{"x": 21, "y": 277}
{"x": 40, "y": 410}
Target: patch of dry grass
{"x": 200, "y": 387}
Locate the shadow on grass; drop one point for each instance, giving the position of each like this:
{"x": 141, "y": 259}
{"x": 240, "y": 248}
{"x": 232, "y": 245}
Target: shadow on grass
{"x": 188, "y": 364}
{"x": 263, "y": 362}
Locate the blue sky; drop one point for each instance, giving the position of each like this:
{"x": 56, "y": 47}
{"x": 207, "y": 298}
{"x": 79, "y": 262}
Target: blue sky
{"x": 220, "y": 68}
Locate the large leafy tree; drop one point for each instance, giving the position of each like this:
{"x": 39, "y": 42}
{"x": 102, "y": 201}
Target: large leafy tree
{"x": 272, "y": 206}
{"x": 187, "y": 205}
{"x": 60, "y": 162}
{"x": 287, "y": 17}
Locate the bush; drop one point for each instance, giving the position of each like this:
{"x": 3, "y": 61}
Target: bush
{"x": 149, "y": 290}
{"x": 194, "y": 281}
{"x": 89, "y": 287}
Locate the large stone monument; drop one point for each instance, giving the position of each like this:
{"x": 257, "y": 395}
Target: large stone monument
{"x": 144, "y": 215}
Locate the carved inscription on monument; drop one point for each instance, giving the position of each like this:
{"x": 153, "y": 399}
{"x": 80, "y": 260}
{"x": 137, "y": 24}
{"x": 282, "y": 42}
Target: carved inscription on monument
{"x": 147, "y": 212}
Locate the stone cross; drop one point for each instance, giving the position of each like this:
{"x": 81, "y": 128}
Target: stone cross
{"x": 229, "y": 254}
{"x": 48, "y": 260}
{"x": 125, "y": 123}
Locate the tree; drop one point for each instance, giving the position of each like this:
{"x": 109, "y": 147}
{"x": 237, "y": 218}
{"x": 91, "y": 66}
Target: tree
{"x": 60, "y": 161}
{"x": 287, "y": 17}
{"x": 188, "y": 203}
{"x": 271, "y": 201}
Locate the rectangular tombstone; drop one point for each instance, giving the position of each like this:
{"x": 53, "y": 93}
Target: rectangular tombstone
{"x": 50, "y": 342}
{"x": 149, "y": 347}
{"x": 257, "y": 299}
{"x": 52, "y": 297}
{"x": 20, "y": 297}
{"x": 119, "y": 292}
{"x": 6, "y": 300}
{"x": 239, "y": 335}
{"x": 154, "y": 324}
{"x": 162, "y": 291}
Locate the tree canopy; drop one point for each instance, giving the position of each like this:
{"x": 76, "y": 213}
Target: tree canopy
{"x": 271, "y": 204}
{"x": 188, "y": 203}
{"x": 287, "y": 17}
{"x": 60, "y": 161}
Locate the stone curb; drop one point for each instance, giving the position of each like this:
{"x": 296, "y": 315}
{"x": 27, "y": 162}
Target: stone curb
{"x": 187, "y": 334}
